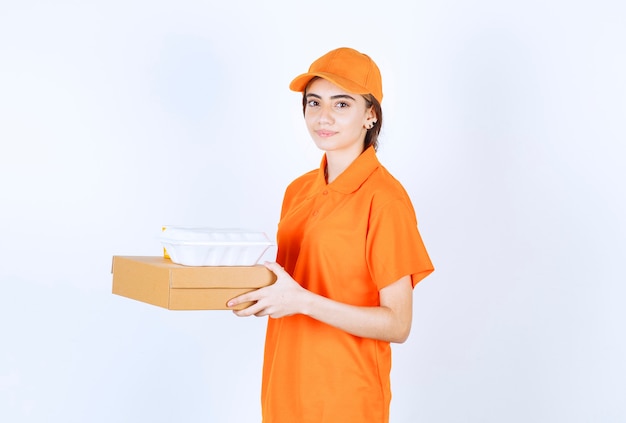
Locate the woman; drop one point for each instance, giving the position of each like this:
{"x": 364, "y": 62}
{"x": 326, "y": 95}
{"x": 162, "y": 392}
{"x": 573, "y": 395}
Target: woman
{"x": 349, "y": 255}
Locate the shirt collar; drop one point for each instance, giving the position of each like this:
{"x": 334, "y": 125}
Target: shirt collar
{"x": 353, "y": 177}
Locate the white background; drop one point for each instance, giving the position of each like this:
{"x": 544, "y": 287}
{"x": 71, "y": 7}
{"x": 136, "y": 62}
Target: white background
{"x": 505, "y": 121}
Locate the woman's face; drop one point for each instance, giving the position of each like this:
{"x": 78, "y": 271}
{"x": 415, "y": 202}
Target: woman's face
{"x": 336, "y": 119}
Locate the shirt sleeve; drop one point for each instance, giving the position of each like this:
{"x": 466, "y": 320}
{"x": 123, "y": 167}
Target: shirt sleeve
{"x": 394, "y": 245}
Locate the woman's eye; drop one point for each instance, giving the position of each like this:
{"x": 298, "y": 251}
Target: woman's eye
{"x": 312, "y": 103}
{"x": 342, "y": 104}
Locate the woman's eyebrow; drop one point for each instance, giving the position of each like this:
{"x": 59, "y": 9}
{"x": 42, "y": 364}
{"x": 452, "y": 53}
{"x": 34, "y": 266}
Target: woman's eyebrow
{"x": 334, "y": 97}
{"x": 346, "y": 96}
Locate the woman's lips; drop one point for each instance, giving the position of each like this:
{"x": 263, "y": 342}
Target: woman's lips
{"x": 325, "y": 133}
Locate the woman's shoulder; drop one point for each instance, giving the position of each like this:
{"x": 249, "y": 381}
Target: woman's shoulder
{"x": 383, "y": 183}
{"x": 387, "y": 191}
{"x": 305, "y": 177}
{"x": 304, "y": 180}
{"x": 303, "y": 184}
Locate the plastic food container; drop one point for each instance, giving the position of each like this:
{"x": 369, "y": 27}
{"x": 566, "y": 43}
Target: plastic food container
{"x": 214, "y": 247}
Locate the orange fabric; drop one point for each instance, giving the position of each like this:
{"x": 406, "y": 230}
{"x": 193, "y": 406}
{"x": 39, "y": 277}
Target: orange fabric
{"x": 345, "y": 240}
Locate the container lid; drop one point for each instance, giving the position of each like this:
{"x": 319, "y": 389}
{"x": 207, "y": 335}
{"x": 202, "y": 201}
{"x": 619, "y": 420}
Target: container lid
{"x": 206, "y": 235}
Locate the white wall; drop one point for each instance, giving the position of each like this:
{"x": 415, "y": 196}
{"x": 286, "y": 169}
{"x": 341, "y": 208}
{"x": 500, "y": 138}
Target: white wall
{"x": 504, "y": 120}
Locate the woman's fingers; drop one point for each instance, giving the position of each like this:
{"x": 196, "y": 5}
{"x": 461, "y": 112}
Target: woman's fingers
{"x": 276, "y": 268}
{"x": 271, "y": 300}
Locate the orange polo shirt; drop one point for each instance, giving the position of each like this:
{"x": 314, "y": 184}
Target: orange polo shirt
{"x": 345, "y": 240}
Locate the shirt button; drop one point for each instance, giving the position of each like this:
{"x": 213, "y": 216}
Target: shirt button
{"x": 315, "y": 213}
{"x": 325, "y": 192}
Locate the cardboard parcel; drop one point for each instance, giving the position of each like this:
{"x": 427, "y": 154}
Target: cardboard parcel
{"x": 159, "y": 281}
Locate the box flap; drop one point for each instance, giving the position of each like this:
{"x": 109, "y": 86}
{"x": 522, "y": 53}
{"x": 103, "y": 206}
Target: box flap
{"x": 180, "y": 276}
{"x": 221, "y": 277}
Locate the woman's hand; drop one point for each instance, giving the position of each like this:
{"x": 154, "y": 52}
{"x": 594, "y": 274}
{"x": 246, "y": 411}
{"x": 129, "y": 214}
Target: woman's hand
{"x": 284, "y": 297}
{"x": 390, "y": 321}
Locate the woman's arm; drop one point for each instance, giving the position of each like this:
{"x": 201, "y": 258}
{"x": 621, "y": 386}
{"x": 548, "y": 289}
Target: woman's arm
{"x": 391, "y": 321}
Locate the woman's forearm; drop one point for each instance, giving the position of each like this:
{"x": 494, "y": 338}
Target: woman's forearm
{"x": 378, "y": 322}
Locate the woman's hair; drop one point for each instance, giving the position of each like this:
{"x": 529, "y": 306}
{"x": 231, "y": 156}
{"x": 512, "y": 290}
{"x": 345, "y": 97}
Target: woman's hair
{"x": 371, "y": 136}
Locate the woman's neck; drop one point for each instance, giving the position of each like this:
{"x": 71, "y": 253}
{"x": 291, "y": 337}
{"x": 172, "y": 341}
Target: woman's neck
{"x": 337, "y": 162}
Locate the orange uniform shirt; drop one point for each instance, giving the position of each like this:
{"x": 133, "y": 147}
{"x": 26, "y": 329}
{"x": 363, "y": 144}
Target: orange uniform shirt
{"x": 344, "y": 240}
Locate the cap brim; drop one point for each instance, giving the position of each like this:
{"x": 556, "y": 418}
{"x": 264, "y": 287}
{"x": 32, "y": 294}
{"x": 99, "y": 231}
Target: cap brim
{"x": 300, "y": 82}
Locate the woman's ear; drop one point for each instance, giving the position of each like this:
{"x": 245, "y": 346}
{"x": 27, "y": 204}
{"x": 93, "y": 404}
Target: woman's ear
{"x": 370, "y": 118}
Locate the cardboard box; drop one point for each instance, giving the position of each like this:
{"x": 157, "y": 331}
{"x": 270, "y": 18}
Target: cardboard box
{"x": 159, "y": 281}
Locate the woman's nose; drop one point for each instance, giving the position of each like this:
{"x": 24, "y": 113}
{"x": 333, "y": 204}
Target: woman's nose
{"x": 326, "y": 115}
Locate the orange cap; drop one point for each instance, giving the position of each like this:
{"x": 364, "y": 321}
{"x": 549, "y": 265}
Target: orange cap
{"x": 347, "y": 68}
